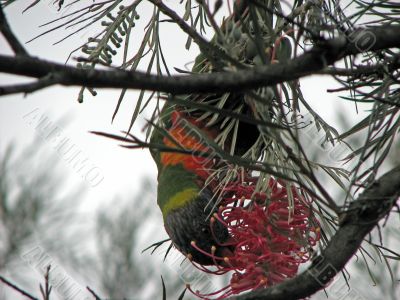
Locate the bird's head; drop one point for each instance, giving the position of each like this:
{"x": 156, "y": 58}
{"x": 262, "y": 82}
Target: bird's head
{"x": 193, "y": 234}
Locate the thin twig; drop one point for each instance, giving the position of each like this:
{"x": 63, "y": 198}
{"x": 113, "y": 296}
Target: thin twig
{"x": 381, "y": 68}
{"x": 26, "y": 88}
{"x": 93, "y": 293}
{"x": 47, "y": 288}
{"x": 215, "y": 152}
{"x": 12, "y": 40}
{"x": 21, "y": 291}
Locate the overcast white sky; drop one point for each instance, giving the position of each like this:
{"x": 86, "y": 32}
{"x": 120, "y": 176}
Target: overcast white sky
{"x": 121, "y": 168}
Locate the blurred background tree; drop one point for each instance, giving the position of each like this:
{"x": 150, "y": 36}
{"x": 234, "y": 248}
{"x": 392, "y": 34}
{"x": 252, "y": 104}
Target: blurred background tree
{"x": 40, "y": 211}
{"x": 35, "y": 207}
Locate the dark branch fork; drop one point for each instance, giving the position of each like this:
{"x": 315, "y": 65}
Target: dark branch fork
{"x": 312, "y": 61}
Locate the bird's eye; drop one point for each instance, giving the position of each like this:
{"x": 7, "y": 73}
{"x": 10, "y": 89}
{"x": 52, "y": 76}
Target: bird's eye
{"x": 205, "y": 230}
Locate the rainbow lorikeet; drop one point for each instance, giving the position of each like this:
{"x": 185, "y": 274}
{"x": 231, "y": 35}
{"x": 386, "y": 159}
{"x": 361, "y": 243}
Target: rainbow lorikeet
{"x": 186, "y": 201}
{"x": 184, "y": 197}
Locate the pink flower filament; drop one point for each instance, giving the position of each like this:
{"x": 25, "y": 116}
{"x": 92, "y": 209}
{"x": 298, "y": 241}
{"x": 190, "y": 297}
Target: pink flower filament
{"x": 269, "y": 239}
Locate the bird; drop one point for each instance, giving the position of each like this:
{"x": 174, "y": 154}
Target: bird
{"x": 184, "y": 194}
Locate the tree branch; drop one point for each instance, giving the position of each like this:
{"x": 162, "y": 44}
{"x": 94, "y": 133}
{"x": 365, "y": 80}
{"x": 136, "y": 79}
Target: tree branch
{"x": 358, "y": 220}
{"x": 312, "y": 61}
{"x": 30, "y": 87}
{"x": 357, "y": 71}
{"x": 9, "y": 35}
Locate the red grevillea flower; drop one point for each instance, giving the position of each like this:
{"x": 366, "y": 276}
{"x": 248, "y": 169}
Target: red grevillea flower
{"x": 270, "y": 236}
